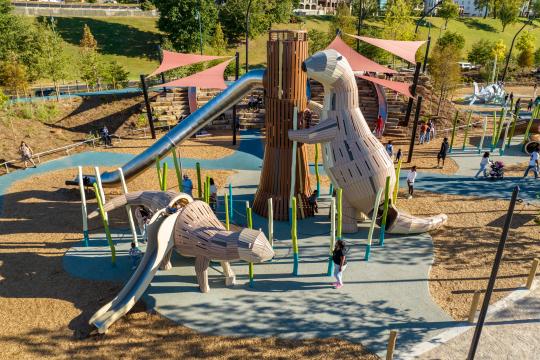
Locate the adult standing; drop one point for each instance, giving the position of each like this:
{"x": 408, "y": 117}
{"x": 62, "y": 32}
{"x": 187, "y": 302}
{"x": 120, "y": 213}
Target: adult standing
{"x": 379, "y": 127}
{"x": 533, "y": 163}
{"x": 26, "y": 154}
{"x": 442, "y": 152}
{"x": 423, "y": 129}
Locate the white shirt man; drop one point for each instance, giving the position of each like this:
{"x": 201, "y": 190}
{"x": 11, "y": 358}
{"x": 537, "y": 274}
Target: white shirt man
{"x": 533, "y": 164}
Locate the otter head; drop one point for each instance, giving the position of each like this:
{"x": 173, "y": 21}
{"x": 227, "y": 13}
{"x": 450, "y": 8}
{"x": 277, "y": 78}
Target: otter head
{"x": 253, "y": 246}
{"x": 328, "y": 67}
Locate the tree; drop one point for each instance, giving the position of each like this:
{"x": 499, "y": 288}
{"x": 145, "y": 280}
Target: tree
{"x": 509, "y": 12}
{"x": 448, "y": 10}
{"x": 525, "y": 59}
{"x": 451, "y": 38}
{"x": 178, "y": 20}
{"x": 90, "y": 66}
{"x": 219, "y": 44}
{"x": 344, "y": 22}
{"x": 116, "y": 75}
{"x": 13, "y": 76}
{"x": 364, "y": 9}
{"x": 318, "y": 40}
{"x": 397, "y": 21}
{"x": 525, "y": 41}
{"x": 483, "y": 4}
{"x": 54, "y": 60}
{"x": 537, "y": 57}
{"x": 444, "y": 70}
{"x": 481, "y": 52}
{"x": 499, "y": 50}
{"x": 5, "y": 7}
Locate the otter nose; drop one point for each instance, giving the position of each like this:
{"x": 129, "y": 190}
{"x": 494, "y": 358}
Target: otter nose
{"x": 304, "y": 67}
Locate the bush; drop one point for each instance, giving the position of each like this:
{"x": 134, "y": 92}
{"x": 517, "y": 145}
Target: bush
{"x": 45, "y": 112}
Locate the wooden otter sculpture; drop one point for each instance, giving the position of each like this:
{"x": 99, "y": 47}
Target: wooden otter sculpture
{"x": 353, "y": 157}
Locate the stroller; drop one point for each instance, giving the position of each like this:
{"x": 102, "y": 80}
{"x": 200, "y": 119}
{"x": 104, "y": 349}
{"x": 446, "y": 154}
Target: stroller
{"x": 497, "y": 170}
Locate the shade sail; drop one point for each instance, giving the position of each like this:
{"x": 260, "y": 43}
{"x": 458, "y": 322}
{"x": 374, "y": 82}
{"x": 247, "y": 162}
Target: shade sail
{"x": 403, "y": 49}
{"x": 211, "y": 78}
{"x": 172, "y": 60}
{"x": 400, "y": 87}
{"x": 358, "y": 62}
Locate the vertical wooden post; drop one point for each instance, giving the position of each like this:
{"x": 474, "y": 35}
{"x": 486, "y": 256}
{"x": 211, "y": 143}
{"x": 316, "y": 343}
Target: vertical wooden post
{"x": 415, "y": 127}
{"x": 148, "y": 108}
{"x": 128, "y": 208}
{"x": 83, "y": 208}
{"x": 100, "y": 188}
{"x": 466, "y": 130}
{"x": 373, "y": 222}
{"x": 391, "y": 345}
{"x": 231, "y": 203}
{"x": 396, "y": 185}
{"x": 512, "y": 130}
{"x": 533, "y": 116}
{"x": 494, "y": 131}
{"x": 293, "y": 162}
{"x": 503, "y": 146}
{"x": 481, "y": 144}
{"x": 270, "y": 223}
{"x": 199, "y": 183}
{"x": 532, "y": 273}
{"x": 332, "y": 236}
{"x": 453, "y": 132}
{"x": 385, "y": 211}
{"x": 294, "y": 239}
{"x": 286, "y": 51}
{"x": 105, "y": 223}
{"x": 474, "y": 306}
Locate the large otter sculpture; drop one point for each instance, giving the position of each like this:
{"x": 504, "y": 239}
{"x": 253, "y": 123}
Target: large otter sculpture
{"x": 353, "y": 157}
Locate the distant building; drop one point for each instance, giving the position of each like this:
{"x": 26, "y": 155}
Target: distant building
{"x": 318, "y": 7}
{"x": 466, "y": 7}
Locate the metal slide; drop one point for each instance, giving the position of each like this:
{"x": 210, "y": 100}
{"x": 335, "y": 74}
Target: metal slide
{"x": 187, "y": 127}
{"x": 160, "y": 241}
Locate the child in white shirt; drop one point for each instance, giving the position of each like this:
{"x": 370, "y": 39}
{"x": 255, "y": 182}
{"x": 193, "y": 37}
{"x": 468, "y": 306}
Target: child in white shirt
{"x": 411, "y": 176}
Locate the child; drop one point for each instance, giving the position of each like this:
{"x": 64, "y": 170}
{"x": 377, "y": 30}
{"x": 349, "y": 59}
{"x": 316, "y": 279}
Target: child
{"x": 213, "y": 195}
{"x": 442, "y": 152}
{"x": 312, "y": 200}
{"x": 340, "y": 262}
{"x": 26, "y": 154}
{"x": 398, "y": 155}
{"x": 390, "y": 149}
{"x": 483, "y": 164}
{"x": 411, "y": 176}
{"x": 135, "y": 255}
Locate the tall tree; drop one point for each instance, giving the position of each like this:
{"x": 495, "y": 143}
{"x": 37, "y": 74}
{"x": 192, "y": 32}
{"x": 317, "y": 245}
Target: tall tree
{"x": 397, "y": 21}
{"x": 344, "y": 22}
{"x": 509, "y": 12}
{"x": 219, "y": 44}
{"x": 179, "y": 20}
{"x": 5, "y": 7}
{"x": 116, "y": 75}
{"x": 451, "y": 38}
{"x": 14, "y": 78}
{"x": 525, "y": 45}
{"x": 90, "y": 66}
{"x": 54, "y": 60}
{"x": 448, "y": 10}
{"x": 444, "y": 70}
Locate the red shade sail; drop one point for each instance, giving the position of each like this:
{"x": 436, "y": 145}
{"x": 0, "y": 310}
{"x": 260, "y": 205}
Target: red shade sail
{"x": 400, "y": 87}
{"x": 403, "y": 49}
{"x": 172, "y": 60}
{"x": 358, "y": 62}
{"x": 211, "y": 78}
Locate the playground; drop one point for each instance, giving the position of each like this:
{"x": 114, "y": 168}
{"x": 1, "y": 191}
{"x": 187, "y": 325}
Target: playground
{"x": 252, "y": 276}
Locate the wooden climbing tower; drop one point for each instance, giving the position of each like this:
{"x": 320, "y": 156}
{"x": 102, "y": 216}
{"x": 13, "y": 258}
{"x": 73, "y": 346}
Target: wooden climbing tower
{"x": 285, "y": 89}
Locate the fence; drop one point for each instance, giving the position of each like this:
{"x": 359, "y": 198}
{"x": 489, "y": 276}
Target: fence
{"x": 77, "y": 9}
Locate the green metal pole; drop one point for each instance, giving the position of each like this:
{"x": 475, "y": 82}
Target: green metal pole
{"x": 227, "y": 220}
{"x": 317, "y": 170}
{"x": 396, "y": 185}
{"x": 330, "y": 269}
{"x": 494, "y": 132}
{"x": 339, "y": 213}
{"x": 484, "y": 128}
{"x": 199, "y": 183}
{"x": 500, "y": 125}
{"x": 105, "y": 225}
{"x": 467, "y": 130}
{"x": 453, "y": 132}
{"x": 160, "y": 178}
{"x": 164, "y": 176}
{"x": 512, "y": 130}
{"x": 250, "y": 225}
{"x": 385, "y": 212}
{"x": 373, "y": 222}
{"x": 294, "y": 237}
{"x": 178, "y": 169}
{"x": 533, "y": 116}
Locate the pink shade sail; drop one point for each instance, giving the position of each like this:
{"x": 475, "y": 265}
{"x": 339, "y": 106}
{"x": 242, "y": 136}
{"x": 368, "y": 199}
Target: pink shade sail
{"x": 172, "y": 60}
{"x": 211, "y": 78}
{"x": 400, "y": 87}
{"x": 403, "y": 49}
{"x": 358, "y": 62}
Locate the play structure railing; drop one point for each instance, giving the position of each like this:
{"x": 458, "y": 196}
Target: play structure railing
{"x": 65, "y": 149}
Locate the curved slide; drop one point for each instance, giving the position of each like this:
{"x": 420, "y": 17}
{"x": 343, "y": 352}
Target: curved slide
{"x": 160, "y": 241}
{"x": 186, "y": 128}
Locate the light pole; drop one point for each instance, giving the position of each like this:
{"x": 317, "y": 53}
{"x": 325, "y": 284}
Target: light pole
{"x": 247, "y": 34}
{"x": 426, "y": 14}
{"x": 512, "y": 46}
{"x": 200, "y": 25}
{"x": 360, "y": 11}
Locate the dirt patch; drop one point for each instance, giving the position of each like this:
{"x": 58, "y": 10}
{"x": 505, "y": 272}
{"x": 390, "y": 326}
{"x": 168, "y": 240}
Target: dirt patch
{"x": 44, "y": 312}
{"x": 465, "y": 248}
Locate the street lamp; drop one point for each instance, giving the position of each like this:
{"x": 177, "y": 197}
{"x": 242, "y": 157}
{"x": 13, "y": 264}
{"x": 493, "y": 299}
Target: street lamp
{"x": 529, "y": 22}
{"x": 426, "y": 14}
{"x": 360, "y": 10}
{"x": 198, "y": 17}
{"x": 247, "y": 33}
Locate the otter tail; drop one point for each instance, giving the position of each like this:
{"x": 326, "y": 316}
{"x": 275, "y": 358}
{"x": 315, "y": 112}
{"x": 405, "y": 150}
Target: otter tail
{"x": 399, "y": 222}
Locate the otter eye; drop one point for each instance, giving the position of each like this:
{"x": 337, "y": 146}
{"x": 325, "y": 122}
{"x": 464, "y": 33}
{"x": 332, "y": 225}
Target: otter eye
{"x": 339, "y": 58}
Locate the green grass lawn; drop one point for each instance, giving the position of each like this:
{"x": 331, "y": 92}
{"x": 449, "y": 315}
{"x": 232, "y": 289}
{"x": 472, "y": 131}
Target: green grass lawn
{"x": 133, "y": 41}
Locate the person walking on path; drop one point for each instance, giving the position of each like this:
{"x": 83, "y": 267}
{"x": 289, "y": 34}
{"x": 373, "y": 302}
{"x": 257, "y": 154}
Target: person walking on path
{"x": 26, "y": 154}
{"x": 533, "y": 163}
{"x": 187, "y": 185}
{"x": 432, "y": 135}
{"x": 340, "y": 263}
{"x": 423, "y": 129}
{"x": 442, "y": 152}
{"x": 428, "y": 131}
{"x": 379, "y": 127}
{"x": 411, "y": 177}
{"x": 483, "y": 164}
{"x": 390, "y": 149}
